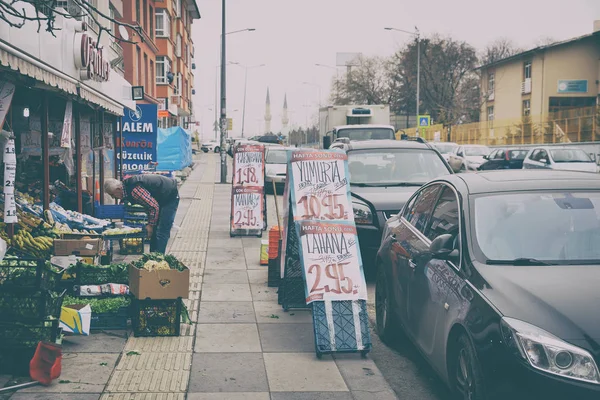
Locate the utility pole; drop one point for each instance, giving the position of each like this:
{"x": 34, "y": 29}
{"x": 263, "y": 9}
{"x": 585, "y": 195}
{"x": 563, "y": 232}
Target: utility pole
{"x": 223, "y": 121}
{"x": 418, "y": 75}
{"x": 244, "y": 109}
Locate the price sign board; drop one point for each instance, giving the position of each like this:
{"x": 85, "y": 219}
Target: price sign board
{"x": 331, "y": 259}
{"x": 10, "y": 209}
{"x": 10, "y": 171}
{"x": 247, "y": 209}
{"x": 10, "y": 156}
{"x": 320, "y": 186}
{"x": 249, "y": 165}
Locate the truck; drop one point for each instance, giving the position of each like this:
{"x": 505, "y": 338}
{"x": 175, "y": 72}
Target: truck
{"x": 355, "y": 122}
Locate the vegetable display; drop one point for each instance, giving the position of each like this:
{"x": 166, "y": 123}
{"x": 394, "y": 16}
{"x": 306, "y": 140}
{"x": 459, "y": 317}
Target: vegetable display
{"x": 100, "y": 306}
{"x": 159, "y": 261}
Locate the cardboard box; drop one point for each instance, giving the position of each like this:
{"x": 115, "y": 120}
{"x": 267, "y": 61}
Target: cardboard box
{"x": 78, "y": 247}
{"x": 157, "y": 285}
{"x": 76, "y": 319}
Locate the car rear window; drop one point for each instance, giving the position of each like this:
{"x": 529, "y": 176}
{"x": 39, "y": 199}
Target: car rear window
{"x": 517, "y": 154}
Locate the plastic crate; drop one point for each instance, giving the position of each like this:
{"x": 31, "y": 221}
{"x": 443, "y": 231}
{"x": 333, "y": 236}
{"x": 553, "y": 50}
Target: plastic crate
{"x": 28, "y": 335}
{"x": 100, "y": 274}
{"x": 151, "y": 318}
{"x": 131, "y": 216}
{"x": 111, "y": 211}
{"x": 131, "y": 246}
{"x": 30, "y": 307}
{"x": 28, "y": 274}
{"x": 110, "y": 321}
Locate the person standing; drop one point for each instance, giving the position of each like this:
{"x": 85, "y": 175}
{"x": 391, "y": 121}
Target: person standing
{"x": 159, "y": 197}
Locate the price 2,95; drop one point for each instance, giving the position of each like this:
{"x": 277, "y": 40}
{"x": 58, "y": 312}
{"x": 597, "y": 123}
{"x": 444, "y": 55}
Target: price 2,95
{"x": 334, "y": 274}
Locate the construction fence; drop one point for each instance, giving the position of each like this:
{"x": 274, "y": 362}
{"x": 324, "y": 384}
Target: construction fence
{"x": 567, "y": 126}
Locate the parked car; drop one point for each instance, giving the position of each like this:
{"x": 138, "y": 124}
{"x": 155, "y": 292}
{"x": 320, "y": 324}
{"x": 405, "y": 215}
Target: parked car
{"x": 468, "y": 157}
{"x": 383, "y": 175}
{"x": 494, "y": 277}
{"x": 237, "y": 142}
{"x": 212, "y": 146}
{"x": 445, "y": 148}
{"x": 504, "y": 159}
{"x": 561, "y": 158}
{"x": 276, "y": 167}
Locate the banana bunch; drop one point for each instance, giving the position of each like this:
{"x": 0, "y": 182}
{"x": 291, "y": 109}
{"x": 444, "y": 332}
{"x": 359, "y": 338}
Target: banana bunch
{"x": 27, "y": 221}
{"x": 39, "y": 247}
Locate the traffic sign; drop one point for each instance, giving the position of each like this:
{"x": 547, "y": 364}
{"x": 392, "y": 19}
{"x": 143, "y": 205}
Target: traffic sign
{"x": 424, "y": 120}
{"x": 229, "y": 124}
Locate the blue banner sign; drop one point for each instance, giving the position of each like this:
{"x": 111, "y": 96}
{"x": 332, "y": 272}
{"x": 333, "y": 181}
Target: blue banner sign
{"x": 138, "y": 149}
{"x": 573, "y": 86}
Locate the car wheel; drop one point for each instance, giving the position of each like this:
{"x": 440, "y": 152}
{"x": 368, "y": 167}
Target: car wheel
{"x": 386, "y": 324}
{"x": 217, "y": 149}
{"x": 465, "y": 372}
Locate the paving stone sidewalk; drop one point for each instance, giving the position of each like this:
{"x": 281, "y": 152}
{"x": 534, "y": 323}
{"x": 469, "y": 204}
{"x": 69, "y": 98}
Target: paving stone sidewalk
{"x": 241, "y": 345}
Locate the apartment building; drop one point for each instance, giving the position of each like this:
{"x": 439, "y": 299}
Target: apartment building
{"x": 162, "y": 59}
{"x": 543, "y": 81}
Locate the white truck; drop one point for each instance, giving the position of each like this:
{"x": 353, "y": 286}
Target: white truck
{"x": 355, "y": 122}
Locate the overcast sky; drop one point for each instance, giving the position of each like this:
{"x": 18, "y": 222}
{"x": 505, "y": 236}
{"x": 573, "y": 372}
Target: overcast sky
{"x": 293, "y": 35}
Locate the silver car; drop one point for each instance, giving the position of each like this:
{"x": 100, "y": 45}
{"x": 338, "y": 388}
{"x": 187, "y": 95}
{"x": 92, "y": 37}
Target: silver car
{"x": 275, "y": 167}
{"x": 559, "y": 158}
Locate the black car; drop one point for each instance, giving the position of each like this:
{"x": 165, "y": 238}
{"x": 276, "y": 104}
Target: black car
{"x": 495, "y": 277}
{"x": 504, "y": 159}
{"x": 383, "y": 175}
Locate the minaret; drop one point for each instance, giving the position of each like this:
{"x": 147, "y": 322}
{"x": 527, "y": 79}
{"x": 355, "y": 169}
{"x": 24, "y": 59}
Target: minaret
{"x": 285, "y": 119}
{"x": 268, "y": 114}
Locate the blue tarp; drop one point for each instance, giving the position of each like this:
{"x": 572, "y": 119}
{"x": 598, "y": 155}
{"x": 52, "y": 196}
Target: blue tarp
{"x": 174, "y": 149}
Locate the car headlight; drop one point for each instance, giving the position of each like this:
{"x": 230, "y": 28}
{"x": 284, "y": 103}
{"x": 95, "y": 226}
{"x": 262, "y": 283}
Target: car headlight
{"x": 362, "y": 213}
{"x": 548, "y": 353}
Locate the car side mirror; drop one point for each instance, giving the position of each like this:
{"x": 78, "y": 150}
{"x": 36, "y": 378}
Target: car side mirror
{"x": 455, "y": 164}
{"x": 442, "y": 248}
{"x": 486, "y": 158}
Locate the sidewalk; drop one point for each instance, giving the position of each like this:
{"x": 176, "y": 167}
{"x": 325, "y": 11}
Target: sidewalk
{"x": 241, "y": 345}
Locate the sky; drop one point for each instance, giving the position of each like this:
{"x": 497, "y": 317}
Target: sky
{"x": 293, "y": 35}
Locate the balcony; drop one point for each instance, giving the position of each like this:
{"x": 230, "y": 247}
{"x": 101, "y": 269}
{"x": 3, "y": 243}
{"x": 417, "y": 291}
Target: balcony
{"x": 526, "y": 86}
{"x": 116, "y": 56}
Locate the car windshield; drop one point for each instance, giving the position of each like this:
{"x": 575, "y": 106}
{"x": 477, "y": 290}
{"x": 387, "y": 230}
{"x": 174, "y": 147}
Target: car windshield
{"x": 556, "y": 227}
{"x": 569, "y": 155}
{"x": 366, "y": 133}
{"x": 381, "y": 167}
{"x": 476, "y": 151}
{"x": 276, "y": 157}
{"x": 445, "y": 148}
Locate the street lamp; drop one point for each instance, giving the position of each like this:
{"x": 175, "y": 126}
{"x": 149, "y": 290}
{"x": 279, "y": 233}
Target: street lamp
{"x": 418, "y": 38}
{"x": 318, "y": 86}
{"x": 223, "y": 121}
{"x": 246, "y": 68}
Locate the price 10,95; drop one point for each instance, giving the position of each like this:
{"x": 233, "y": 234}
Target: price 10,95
{"x": 326, "y": 207}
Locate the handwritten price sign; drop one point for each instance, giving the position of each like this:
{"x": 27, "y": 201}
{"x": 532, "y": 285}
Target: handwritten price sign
{"x": 247, "y": 208}
{"x": 331, "y": 257}
{"x": 249, "y": 165}
{"x": 320, "y": 186}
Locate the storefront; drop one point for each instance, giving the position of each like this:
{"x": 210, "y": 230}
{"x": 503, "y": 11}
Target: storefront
{"x": 64, "y": 113}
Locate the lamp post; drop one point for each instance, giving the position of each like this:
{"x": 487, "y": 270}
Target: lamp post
{"x": 318, "y": 86}
{"x": 418, "y": 38}
{"x": 246, "y": 68}
{"x": 223, "y": 120}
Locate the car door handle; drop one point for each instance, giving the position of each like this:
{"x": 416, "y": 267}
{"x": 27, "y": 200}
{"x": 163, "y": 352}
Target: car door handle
{"x": 393, "y": 237}
{"x": 411, "y": 264}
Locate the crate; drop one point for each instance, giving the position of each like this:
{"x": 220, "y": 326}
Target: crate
{"x": 151, "y": 318}
{"x": 27, "y": 274}
{"x": 111, "y": 211}
{"x": 99, "y": 274}
{"x": 133, "y": 217}
{"x": 131, "y": 246}
{"x": 30, "y": 307}
{"x": 27, "y": 335}
{"x": 110, "y": 321}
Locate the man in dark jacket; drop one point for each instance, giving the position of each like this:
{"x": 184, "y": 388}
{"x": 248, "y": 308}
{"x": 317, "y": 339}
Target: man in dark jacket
{"x": 158, "y": 195}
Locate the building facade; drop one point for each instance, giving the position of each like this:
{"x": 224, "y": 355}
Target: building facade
{"x": 544, "y": 81}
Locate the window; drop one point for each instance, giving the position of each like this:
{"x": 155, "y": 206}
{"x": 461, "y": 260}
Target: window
{"x": 137, "y": 11}
{"x": 178, "y": 46}
{"x": 186, "y": 56}
{"x": 444, "y": 219}
{"x": 499, "y": 155}
{"x": 178, "y": 84}
{"x": 527, "y": 70}
{"x": 139, "y": 66}
{"x": 146, "y": 82}
{"x": 163, "y": 66}
{"x": 491, "y": 82}
{"x": 526, "y": 108}
{"x": 163, "y": 23}
{"x": 145, "y": 14}
{"x": 112, "y": 15}
{"x": 490, "y": 113}
{"x": 419, "y": 212}
{"x": 151, "y": 20}
{"x": 177, "y": 7}
{"x": 152, "y": 78}
{"x": 184, "y": 17}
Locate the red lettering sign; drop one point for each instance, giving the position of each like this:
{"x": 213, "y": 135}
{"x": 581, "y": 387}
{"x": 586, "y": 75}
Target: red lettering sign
{"x": 91, "y": 60}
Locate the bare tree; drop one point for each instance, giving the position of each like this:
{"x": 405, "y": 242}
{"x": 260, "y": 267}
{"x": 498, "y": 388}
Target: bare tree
{"x": 498, "y": 50}
{"x": 367, "y": 83}
{"x": 16, "y": 13}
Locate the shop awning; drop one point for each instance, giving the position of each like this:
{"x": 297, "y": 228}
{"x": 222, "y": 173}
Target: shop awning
{"x": 94, "y": 97}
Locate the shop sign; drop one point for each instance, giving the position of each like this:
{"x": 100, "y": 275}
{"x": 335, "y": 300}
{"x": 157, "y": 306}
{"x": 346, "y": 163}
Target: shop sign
{"x": 138, "y": 148}
{"x": 249, "y": 165}
{"x": 65, "y": 139}
{"x": 330, "y": 257}
{"x": 90, "y": 58}
{"x": 320, "y": 186}
{"x": 247, "y": 209}
{"x": 10, "y": 209}
{"x": 7, "y": 90}
{"x": 10, "y": 171}
{"x": 572, "y": 86}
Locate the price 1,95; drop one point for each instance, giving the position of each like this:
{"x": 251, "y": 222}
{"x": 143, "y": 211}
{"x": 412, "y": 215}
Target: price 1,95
{"x": 338, "y": 282}
{"x": 245, "y": 175}
{"x": 326, "y": 207}
{"x": 245, "y": 218}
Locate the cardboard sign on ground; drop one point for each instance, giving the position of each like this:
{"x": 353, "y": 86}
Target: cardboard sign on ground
{"x": 79, "y": 247}
{"x": 159, "y": 284}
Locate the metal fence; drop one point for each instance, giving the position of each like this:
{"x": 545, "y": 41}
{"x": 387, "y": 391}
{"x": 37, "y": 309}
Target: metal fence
{"x": 568, "y": 126}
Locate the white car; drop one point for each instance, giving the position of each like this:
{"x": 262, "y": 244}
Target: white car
{"x": 212, "y": 146}
{"x": 468, "y": 157}
{"x": 445, "y": 148}
{"x": 559, "y": 158}
{"x": 276, "y": 167}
